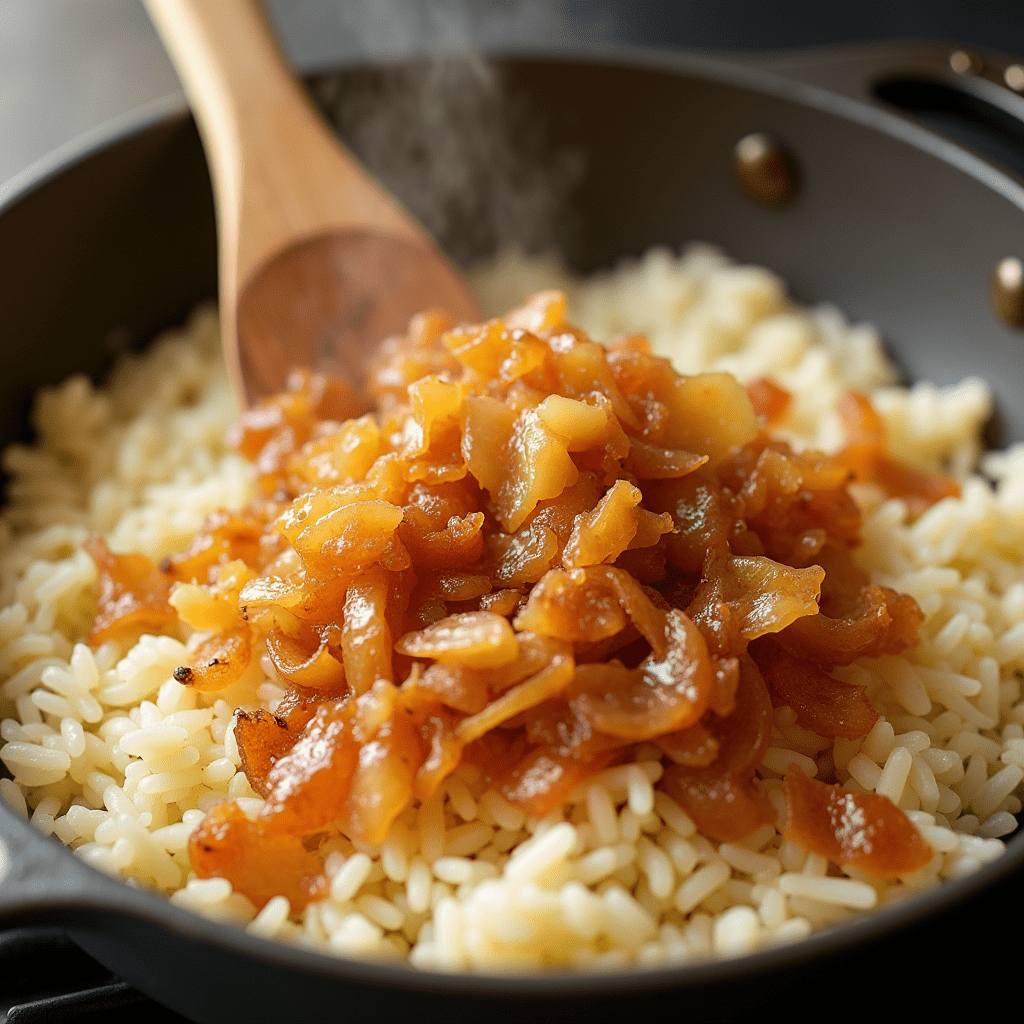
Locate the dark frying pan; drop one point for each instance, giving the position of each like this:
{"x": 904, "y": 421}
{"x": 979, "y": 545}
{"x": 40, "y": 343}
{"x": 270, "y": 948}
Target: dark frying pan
{"x": 894, "y": 223}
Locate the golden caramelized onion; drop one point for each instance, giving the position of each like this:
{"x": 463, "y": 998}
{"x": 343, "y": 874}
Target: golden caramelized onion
{"x": 473, "y": 639}
{"x": 219, "y": 661}
{"x": 865, "y": 454}
{"x": 720, "y": 796}
{"x": 537, "y": 554}
{"x": 664, "y": 694}
{"x": 825, "y": 705}
{"x": 862, "y": 829}
{"x": 131, "y": 594}
{"x": 227, "y": 845}
{"x": 262, "y": 739}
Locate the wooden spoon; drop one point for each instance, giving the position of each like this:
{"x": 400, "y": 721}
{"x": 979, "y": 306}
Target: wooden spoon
{"x": 318, "y": 264}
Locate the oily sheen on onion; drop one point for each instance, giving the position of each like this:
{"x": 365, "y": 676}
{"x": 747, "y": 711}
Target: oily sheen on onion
{"x": 534, "y": 554}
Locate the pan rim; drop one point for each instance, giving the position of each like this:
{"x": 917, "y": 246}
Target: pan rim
{"x": 156, "y": 911}
{"x": 737, "y": 70}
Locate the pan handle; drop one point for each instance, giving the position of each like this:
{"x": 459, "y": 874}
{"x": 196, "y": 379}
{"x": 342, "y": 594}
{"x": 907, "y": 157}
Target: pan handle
{"x": 42, "y": 881}
{"x": 973, "y": 96}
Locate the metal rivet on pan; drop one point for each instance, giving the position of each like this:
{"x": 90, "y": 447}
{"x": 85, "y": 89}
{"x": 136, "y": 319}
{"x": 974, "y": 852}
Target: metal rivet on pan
{"x": 963, "y": 62}
{"x": 764, "y": 169}
{"x": 1007, "y": 291}
{"x": 1013, "y": 76}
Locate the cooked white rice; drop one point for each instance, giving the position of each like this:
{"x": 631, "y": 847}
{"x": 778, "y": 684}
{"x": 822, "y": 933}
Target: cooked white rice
{"x": 116, "y": 759}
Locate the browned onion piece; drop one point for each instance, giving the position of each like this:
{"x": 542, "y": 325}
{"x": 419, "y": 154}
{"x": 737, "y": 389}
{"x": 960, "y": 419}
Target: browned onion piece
{"x": 366, "y": 644}
{"x": 825, "y": 705}
{"x": 885, "y": 623}
{"x": 219, "y": 661}
{"x": 862, "y": 829}
{"x": 664, "y": 694}
{"x": 382, "y": 783}
{"x": 131, "y": 594}
{"x": 603, "y": 534}
{"x": 545, "y": 684}
{"x": 473, "y": 639}
{"x": 771, "y": 596}
{"x": 694, "y": 747}
{"x": 258, "y": 865}
{"x": 569, "y": 605}
{"x": 262, "y": 739}
{"x": 769, "y": 400}
{"x": 721, "y": 798}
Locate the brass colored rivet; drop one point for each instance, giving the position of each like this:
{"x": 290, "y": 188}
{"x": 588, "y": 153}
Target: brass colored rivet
{"x": 1013, "y": 76}
{"x": 765, "y": 170}
{"x": 963, "y": 62}
{"x": 1007, "y": 291}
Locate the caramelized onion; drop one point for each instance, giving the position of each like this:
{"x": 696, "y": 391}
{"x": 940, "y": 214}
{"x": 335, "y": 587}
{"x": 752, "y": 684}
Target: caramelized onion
{"x": 722, "y": 798}
{"x": 259, "y": 865}
{"x": 825, "y": 705}
{"x": 131, "y": 595}
{"x": 219, "y": 661}
{"x": 536, "y": 554}
{"x": 865, "y": 454}
{"x": 861, "y": 829}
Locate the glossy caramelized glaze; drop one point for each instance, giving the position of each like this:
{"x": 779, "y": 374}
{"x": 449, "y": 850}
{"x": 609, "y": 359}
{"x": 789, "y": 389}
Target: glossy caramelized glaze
{"x": 536, "y": 554}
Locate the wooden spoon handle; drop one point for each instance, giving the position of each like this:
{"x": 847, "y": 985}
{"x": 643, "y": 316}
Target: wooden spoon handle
{"x": 278, "y": 171}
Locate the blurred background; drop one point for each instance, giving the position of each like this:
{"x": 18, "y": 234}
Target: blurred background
{"x": 70, "y": 67}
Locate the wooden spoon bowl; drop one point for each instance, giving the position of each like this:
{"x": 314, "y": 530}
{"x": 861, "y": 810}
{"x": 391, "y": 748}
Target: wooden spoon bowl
{"x": 318, "y": 264}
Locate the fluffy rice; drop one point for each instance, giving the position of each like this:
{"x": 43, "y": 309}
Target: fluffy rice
{"x": 116, "y": 759}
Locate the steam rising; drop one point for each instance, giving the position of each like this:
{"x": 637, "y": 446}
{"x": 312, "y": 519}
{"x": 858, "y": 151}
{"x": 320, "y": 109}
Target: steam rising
{"x": 472, "y": 165}
{"x": 447, "y": 134}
